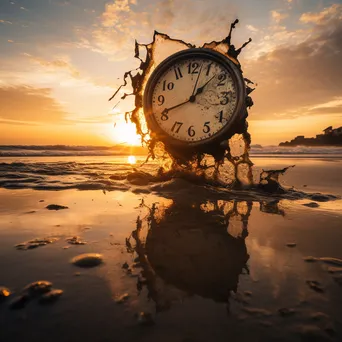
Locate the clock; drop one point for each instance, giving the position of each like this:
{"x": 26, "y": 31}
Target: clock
{"x": 195, "y": 99}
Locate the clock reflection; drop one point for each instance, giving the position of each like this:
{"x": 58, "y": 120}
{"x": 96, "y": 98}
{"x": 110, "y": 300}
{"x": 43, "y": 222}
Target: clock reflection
{"x": 187, "y": 249}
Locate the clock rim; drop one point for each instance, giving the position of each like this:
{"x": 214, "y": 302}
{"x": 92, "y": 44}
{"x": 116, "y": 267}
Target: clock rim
{"x": 222, "y": 134}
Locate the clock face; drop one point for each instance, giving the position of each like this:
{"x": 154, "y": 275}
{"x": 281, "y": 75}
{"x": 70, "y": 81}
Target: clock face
{"x": 193, "y": 97}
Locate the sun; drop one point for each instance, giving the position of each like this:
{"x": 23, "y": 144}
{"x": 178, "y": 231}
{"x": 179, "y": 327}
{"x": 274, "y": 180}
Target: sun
{"x": 125, "y": 133}
{"x": 131, "y": 160}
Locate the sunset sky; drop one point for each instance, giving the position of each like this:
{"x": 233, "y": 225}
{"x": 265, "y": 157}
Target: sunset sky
{"x": 60, "y": 61}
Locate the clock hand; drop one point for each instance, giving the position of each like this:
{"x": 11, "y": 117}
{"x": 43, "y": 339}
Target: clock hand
{"x": 200, "y": 90}
{"x": 199, "y": 74}
{"x": 166, "y": 110}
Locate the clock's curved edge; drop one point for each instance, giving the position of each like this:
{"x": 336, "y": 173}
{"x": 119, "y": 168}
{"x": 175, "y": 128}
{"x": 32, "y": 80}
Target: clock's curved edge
{"x": 236, "y": 125}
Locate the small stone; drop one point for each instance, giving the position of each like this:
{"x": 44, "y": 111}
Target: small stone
{"x": 311, "y": 205}
{"x": 121, "y": 299}
{"x": 248, "y": 293}
{"x": 35, "y": 243}
{"x": 315, "y": 285}
{"x": 19, "y": 302}
{"x": 332, "y": 261}
{"x": 310, "y": 259}
{"x": 145, "y": 318}
{"x": 285, "y": 312}
{"x": 56, "y": 207}
{"x": 257, "y": 311}
{"x": 50, "y": 296}
{"x": 75, "y": 240}
{"x": 333, "y": 269}
{"x": 4, "y": 293}
{"x": 66, "y": 247}
{"x": 87, "y": 260}
{"x": 125, "y": 266}
{"x": 77, "y": 274}
{"x": 319, "y": 316}
{"x": 37, "y": 287}
{"x": 41, "y": 201}
{"x": 320, "y": 198}
{"x": 291, "y": 244}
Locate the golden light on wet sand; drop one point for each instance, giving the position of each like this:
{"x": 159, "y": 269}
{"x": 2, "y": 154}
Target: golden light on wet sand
{"x": 131, "y": 160}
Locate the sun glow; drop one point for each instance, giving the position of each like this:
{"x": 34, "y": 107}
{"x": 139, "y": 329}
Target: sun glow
{"x": 131, "y": 160}
{"x": 125, "y": 133}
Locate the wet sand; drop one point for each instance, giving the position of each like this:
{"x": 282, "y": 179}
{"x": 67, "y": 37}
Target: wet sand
{"x": 199, "y": 267}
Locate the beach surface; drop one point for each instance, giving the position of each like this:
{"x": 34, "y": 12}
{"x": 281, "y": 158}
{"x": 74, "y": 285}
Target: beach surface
{"x": 169, "y": 261}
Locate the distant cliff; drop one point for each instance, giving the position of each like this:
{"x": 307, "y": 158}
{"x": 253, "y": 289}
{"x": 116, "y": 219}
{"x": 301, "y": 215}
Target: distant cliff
{"x": 330, "y": 137}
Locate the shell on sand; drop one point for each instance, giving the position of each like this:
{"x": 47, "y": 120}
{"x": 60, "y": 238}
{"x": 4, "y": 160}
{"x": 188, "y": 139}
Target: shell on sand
{"x": 87, "y": 260}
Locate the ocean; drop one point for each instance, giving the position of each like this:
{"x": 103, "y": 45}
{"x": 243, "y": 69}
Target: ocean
{"x": 135, "y": 258}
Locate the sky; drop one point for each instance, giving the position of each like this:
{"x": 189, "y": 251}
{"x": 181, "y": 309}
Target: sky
{"x": 61, "y": 60}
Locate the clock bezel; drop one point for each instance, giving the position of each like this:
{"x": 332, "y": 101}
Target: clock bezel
{"x": 224, "y": 132}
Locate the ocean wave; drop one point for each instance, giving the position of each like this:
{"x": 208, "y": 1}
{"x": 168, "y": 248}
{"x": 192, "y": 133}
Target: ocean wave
{"x": 122, "y": 150}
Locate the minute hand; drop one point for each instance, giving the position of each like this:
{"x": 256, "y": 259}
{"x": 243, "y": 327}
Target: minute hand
{"x": 200, "y": 90}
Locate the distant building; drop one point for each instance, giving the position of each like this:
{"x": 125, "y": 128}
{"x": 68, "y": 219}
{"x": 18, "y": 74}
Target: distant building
{"x": 331, "y": 137}
{"x": 328, "y": 130}
{"x": 337, "y": 131}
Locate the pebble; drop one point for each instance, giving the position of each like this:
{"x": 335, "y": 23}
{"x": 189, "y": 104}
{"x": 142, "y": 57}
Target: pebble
{"x": 334, "y": 269}
{"x": 311, "y": 205}
{"x": 248, "y": 293}
{"x": 35, "y": 243}
{"x": 4, "y": 293}
{"x": 50, "y": 296}
{"x": 310, "y": 259}
{"x": 56, "y": 207}
{"x": 37, "y": 287}
{"x": 333, "y": 261}
{"x": 315, "y": 285}
{"x": 75, "y": 240}
{"x": 145, "y": 318}
{"x": 291, "y": 244}
{"x": 319, "y": 316}
{"x": 87, "y": 260}
{"x": 320, "y": 198}
{"x": 257, "y": 311}
{"x": 121, "y": 299}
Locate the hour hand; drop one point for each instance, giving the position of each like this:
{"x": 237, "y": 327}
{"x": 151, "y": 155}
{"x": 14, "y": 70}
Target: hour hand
{"x": 166, "y": 110}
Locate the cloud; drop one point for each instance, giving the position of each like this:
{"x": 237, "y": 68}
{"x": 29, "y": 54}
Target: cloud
{"x": 123, "y": 21}
{"x": 278, "y": 17}
{"x": 321, "y": 18}
{"x": 28, "y": 104}
{"x": 295, "y": 77}
{"x": 252, "y": 28}
{"x": 58, "y": 63}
